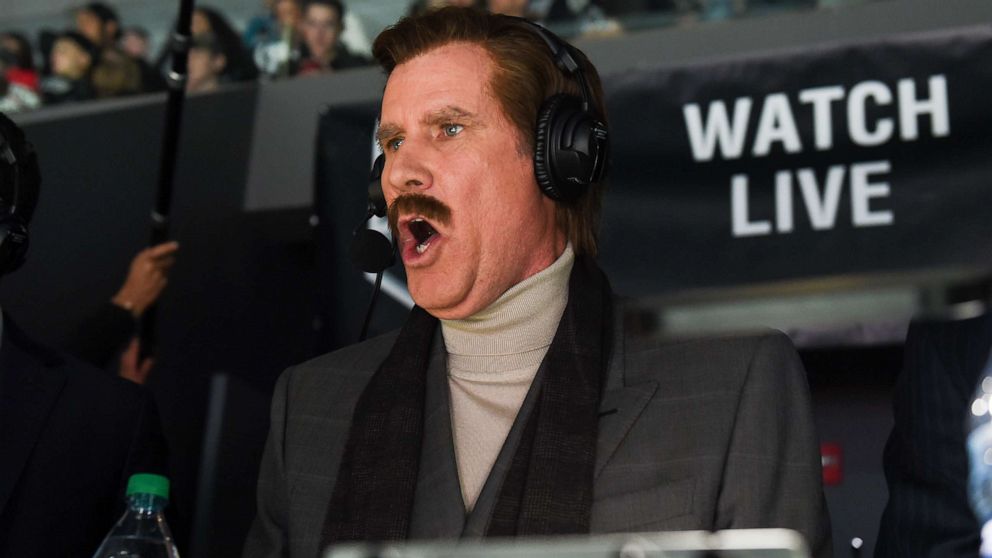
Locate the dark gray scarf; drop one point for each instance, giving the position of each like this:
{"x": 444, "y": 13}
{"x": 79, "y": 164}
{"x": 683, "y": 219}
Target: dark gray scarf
{"x": 548, "y": 489}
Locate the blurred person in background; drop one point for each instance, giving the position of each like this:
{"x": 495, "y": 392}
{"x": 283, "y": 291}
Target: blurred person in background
{"x": 323, "y": 51}
{"x": 276, "y": 56}
{"x": 20, "y": 60}
{"x": 211, "y": 30}
{"x": 262, "y": 27}
{"x": 114, "y": 69}
{"x": 134, "y": 42}
{"x": 207, "y": 64}
{"x": 14, "y": 97}
{"x": 112, "y": 326}
{"x": 116, "y": 75}
{"x": 99, "y": 23}
{"x": 238, "y": 63}
{"x": 518, "y": 8}
{"x": 72, "y": 61}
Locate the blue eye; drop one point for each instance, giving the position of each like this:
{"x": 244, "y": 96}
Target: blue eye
{"x": 394, "y": 144}
{"x": 452, "y": 130}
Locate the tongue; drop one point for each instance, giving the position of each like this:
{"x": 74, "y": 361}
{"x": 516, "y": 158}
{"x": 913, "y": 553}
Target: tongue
{"x": 422, "y": 231}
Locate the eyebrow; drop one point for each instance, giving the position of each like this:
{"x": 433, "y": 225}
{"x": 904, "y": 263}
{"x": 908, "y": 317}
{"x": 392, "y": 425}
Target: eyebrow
{"x": 434, "y": 118}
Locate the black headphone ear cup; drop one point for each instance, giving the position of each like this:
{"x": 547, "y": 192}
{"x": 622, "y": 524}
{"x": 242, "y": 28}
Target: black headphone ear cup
{"x": 570, "y": 148}
{"x": 13, "y": 243}
{"x": 543, "y": 146}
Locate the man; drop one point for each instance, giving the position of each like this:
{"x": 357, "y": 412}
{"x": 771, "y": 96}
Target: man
{"x": 277, "y": 52}
{"x": 99, "y": 23}
{"x": 323, "y": 22}
{"x": 73, "y": 57}
{"x": 71, "y": 434}
{"x": 926, "y": 462}
{"x": 206, "y": 64}
{"x": 511, "y": 402}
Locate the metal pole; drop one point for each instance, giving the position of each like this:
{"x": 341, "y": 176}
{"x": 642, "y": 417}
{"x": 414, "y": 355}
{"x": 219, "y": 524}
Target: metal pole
{"x": 176, "y": 80}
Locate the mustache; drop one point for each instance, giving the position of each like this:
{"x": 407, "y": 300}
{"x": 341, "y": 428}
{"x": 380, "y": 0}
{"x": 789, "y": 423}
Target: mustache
{"x": 430, "y": 208}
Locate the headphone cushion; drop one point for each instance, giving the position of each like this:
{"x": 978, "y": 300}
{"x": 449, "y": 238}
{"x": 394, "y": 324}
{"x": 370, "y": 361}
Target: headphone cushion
{"x": 543, "y": 158}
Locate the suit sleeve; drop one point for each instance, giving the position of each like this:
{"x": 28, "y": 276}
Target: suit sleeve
{"x": 148, "y": 451}
{"x": 773, "y": 475}
{"x": 102, "y": 334}
{"x": 269, "y": 533}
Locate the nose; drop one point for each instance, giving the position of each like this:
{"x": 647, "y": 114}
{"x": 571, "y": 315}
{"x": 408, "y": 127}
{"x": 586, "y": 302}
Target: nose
{"x": 407, "y": 170}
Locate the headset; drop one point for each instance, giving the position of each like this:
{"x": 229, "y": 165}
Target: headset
{"x": 571, "y": 143}
{"x": 20, "y": 182}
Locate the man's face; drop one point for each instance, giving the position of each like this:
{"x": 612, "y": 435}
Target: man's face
{"x": 90, "y": 26}
{"x": 321, "y": 27}
{"x": 203, "y": 67}
{"x": 288, "y": 13}
{"x": 200, "y": 24}
{"x": 69, "y": 60}
{"x": 446, "y": 137}
{"x": 135, "y": 45}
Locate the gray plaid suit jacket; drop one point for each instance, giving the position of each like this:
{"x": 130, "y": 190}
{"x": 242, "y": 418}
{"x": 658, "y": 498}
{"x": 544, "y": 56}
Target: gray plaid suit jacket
{"x": 710, "y": 433}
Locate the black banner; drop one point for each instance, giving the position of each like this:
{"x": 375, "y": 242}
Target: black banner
{"x": 848, "y": 158}
{"x": 874, "y": 156}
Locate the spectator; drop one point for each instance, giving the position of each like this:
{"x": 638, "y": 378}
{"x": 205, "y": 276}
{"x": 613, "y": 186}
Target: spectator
{"x": 72, "y": 61}
{"x": 20, "y": 62}
{"x": 14, "y": 96}
{"x": 516, "y": 8}
{"x": 238, "y": 64}
{"x": 263, "y": 27}
{"x": 207, "y": 64}
{"x": 114, "y": 69}
{"x": 116, "y": 75}
{"x": 323, "y": 21}
{"x": 276, "y": 57}
{"x": 134, "y": 43}
{"x": 99, "y": 23}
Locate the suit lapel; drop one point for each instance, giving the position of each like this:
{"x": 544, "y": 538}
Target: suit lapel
{"x": 438, "y": 508}
{"x": 28, "y": 392}
{"x": 618, "y": 412}
{"x": 620, "y": 405}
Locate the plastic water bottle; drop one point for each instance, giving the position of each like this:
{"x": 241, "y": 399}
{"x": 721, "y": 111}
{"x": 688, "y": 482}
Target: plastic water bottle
{"x": 142, "y": 531}
{"x": 979, "y": 443}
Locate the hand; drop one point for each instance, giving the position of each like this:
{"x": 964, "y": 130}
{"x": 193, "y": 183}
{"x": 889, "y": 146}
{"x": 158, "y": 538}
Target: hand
{"x": 146, "y": 278}
{"x": 130, "y": 368}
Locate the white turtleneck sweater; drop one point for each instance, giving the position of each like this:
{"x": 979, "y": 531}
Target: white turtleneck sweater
{"x": 493, "y": 357}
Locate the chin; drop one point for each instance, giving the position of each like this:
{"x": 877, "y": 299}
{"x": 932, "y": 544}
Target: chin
{"x": 441, "y": 305}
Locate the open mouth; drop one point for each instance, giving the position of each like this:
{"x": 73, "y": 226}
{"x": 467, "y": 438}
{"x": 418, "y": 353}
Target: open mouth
{"x": 423, "y": 232}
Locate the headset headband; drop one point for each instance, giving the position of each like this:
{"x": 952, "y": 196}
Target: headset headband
{"x": 561, "y": 52}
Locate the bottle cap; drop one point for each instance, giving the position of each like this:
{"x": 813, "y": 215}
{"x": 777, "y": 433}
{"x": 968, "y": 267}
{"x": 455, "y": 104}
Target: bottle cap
{"x": 146, "y": 483}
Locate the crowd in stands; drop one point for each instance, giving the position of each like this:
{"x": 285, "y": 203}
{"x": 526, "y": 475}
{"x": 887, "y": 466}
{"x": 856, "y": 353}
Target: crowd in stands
{"x": 101, "y": 58}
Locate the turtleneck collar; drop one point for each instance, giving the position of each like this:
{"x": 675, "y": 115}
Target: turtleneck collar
{"x": 514, "y": 332}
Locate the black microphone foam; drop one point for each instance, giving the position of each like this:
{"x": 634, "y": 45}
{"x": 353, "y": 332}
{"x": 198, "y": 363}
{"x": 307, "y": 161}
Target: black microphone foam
{"x": 371, "y": 251}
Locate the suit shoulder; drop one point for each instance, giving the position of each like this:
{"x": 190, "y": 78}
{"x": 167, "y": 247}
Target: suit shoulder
{"x": 347, "y": 365}
{"x": 718, "y": 358}
{"x": 101, "y": 387}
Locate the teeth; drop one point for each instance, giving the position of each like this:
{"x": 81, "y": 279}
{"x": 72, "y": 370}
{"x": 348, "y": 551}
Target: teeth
{"x": 421, "y": 248}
